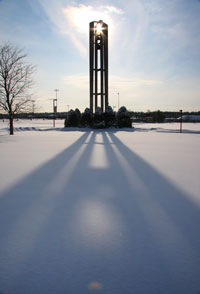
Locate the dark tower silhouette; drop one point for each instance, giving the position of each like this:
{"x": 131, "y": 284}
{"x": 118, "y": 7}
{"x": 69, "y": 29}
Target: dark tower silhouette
{"x": 98, "y": 65}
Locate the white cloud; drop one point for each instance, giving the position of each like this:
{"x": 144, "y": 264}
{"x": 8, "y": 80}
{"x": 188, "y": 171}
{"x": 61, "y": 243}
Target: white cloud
{"x": 135, "y": 93}
{"x": 130, "y": 88}
{"x": 128, "y": 83}
{"x": 79, "y": 17}
{"x": 116, "y": 83}
{"x": 113, "y": 9}
{"x": 73, "y": 20}
{"x": 80, "y": 81}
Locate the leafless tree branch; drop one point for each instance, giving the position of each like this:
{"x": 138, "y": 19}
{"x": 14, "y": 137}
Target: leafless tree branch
{"x": 15, "y": 80}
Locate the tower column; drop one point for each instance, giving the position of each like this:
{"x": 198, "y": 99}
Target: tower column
{"x": 98, "y": 44}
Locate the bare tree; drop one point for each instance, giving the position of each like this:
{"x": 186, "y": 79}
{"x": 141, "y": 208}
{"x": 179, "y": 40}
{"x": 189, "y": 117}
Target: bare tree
{"x": 15, "y": 81}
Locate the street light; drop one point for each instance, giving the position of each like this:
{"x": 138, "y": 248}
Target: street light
{"x": 56, "y": 90}
{"x": 181, "y": 119}
{"x": 54, "y": 111}
{"x": 55, "y": 101}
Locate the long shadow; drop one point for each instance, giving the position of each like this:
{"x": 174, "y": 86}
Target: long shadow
{"x": 98, "y": 225}
{"x": 20, "y": 198}
{"x": 174, "y": 218}
{"x": 83, "y": 238}
{"x": 175, "y": 203}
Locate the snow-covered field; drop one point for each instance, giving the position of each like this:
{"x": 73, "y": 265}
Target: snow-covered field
{"x": 99, "y": 211}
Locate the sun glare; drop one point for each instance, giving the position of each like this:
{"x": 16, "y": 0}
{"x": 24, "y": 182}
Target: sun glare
{"x": 80, "y": 17}
{"x": 99, "y": 28}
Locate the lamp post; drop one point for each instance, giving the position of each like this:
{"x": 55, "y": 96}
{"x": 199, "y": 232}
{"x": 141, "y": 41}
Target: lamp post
{"x": 54, "y": 111}
{"x": 55, "y": 107}
{"x": 181, "y": 112}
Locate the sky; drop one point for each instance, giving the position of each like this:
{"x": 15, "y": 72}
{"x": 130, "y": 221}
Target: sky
{"x": 154, "y": 51}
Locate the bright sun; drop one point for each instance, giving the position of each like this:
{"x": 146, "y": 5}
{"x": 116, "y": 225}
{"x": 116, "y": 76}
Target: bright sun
{"x": 81, "y": 16}
{"x": 99, "y": 28}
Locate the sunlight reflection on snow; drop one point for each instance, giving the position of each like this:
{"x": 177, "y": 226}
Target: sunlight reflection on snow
{"x": 98, "y": 157}
{"x": 96, "y": 218}
{"x": 96, "y": 224}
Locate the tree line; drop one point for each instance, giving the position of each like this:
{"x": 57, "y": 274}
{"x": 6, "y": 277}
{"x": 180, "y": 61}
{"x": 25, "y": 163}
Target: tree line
{"x": 154, "y": 116}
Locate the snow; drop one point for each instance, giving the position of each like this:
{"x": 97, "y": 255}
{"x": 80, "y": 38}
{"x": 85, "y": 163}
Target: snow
{"x": 99, "y": 211}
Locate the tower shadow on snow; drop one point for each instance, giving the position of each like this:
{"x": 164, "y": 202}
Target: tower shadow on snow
{"x": 121, "y": 224}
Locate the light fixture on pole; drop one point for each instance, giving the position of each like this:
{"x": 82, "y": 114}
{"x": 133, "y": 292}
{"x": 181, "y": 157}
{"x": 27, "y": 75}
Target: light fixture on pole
{"x": 54, "y": 111}
{"x": 56, "y": 90}
{"x": 55, "y": 101}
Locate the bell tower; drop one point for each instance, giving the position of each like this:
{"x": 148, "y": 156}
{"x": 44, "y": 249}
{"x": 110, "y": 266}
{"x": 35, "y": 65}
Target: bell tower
{"x": 98, "y": 52}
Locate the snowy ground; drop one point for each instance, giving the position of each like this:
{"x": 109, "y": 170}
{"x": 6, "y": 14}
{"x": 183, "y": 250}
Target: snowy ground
{"x": 86, "y": 211}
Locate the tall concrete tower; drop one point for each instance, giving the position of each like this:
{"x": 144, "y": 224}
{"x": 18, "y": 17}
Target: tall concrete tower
{"x": 98, "y": 42}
